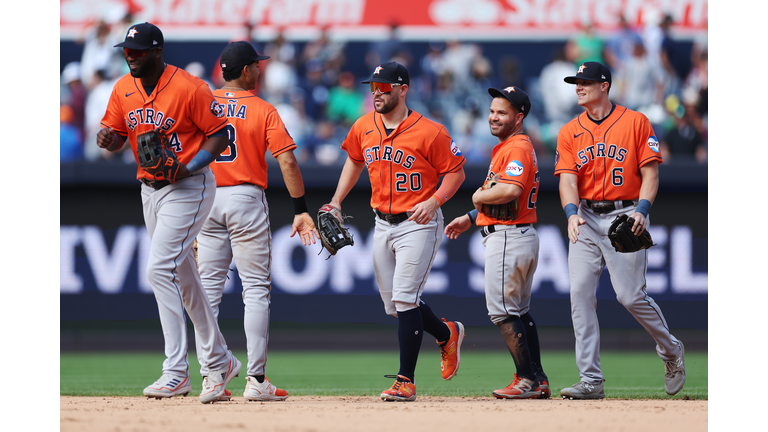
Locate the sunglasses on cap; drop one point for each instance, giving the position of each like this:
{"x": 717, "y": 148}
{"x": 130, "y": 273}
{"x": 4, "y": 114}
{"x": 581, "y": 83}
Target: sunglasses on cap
{"x": 383, "y": 87}
{"x": 135, "y": 53}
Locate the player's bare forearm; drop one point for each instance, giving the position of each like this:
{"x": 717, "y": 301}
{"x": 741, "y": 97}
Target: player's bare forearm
{"x": 502, "y": 193}
{"x": 305, "y": 226}
{"x": 648, "y": 189}
{"x": 349, "y": 176}
{"x": 457, "y": 226}
{"x": 291, "y": 174}
{"x": 215, "y": 145}
{"x": 650, "y": 185}
{"x": 569, "y": 189}
{"x": 569, "y": 194}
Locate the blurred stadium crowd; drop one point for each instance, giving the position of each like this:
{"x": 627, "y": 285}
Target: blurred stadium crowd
{"x": 319, "y": 98}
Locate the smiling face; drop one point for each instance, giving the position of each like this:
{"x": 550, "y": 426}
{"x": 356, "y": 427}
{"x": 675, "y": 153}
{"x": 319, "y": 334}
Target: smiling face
{"x": 142, "y": 65}
{"x": 503, "y": 118}
{"x": 590, "y": 92}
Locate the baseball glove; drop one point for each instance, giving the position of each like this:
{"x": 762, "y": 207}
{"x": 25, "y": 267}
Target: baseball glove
{"x": 623, "y": 239}
{"x": 502, "y": 212}
{"x": 156, "y": 156}
{"x": 330, "y": 225}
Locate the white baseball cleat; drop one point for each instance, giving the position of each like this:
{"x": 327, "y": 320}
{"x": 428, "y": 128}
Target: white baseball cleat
{"x": 266, "y": 391}
{"x": 168, "y": 386}
{"x": 227, "y": 396}
{"x": 674, "y": 374}
{"x": 215, "y": 384}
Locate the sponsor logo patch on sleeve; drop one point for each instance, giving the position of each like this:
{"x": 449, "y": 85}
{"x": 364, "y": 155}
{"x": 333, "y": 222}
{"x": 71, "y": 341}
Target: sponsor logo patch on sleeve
{"x": 514, "y": 168}
{"x": 455, "y": 149}
{"x": 653, "y": 143}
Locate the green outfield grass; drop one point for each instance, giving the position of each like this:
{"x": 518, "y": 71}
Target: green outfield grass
{"x": 629, "y": 375}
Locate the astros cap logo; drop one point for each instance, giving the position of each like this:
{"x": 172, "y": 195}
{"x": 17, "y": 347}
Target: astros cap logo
{"x": 378, "y": 69}
{"x": 581, "y": 69}
{"x": 509, "y": 89}
{"x": 132, "y": 32}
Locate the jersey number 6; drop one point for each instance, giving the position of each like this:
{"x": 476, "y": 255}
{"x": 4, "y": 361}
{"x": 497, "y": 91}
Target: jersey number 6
{"x": 616, "y": 177}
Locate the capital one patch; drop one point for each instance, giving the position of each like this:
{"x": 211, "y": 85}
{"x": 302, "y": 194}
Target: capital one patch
{"x": 514, "y": 168}
{"x": 653, "y": 143}
{"x": 455, "y": 149}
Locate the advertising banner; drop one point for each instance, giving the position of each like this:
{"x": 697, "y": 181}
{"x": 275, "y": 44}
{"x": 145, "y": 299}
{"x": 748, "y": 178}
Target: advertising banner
{"x": 371, "y": 19}
{"x": 114, "y": 262}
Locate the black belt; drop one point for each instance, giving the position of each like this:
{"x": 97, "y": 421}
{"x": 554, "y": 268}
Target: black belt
{"x": 490, "y": 229}
{"x": 155, "y": 184}
{"x": 601, "y": 207}
{"x": 393, "y": 219}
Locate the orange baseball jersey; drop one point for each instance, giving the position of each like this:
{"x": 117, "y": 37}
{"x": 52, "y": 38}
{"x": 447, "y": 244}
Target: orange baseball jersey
{"x": 253, "y": 127}
{"x": 514, "y": 161}
{"x": 181, "y": 105}
{"x": 404, "y": 167}
{"x": 607, "y": 157}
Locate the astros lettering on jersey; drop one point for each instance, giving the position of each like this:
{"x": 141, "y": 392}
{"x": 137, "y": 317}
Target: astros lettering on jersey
{"x": 246, "y": 164}
{"x": 405, "y": 166}
{"x": 164, "y": 109}
{"x": 607, "y": 157}
{"x": 514, "y": 161}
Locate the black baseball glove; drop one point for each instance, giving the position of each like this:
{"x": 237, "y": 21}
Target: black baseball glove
{"x": 333, "y": 234}
{"x": 623, "y": 239}
{"x": 156, "y": 156}
{"x": 507, "y": 211}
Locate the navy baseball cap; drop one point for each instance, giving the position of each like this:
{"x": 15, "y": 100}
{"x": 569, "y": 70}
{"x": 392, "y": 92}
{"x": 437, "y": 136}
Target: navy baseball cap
{"x": 389, "y": 73}
{"x": 142, "y": 37}
{"x": 239, "y": 54}
{"x": 591, "y": 71}
{"x": 516, "y": 96}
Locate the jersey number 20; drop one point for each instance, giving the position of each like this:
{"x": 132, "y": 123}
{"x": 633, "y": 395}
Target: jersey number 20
{"x": 403, "y": 181}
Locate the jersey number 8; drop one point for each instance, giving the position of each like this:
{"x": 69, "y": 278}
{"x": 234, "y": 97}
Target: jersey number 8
{"x": 232, "y": 154}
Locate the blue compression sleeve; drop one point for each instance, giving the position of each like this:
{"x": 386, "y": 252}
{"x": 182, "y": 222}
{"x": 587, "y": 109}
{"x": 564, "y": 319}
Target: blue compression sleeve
{"x": 472, "y": 216}
{"x": 643, "y": 207}
{"x": 570, "y": 210}
{"x": 200, "y": 161}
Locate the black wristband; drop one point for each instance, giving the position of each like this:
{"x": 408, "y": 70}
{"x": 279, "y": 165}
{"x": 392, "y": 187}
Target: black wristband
{"x": 300, "y": 205}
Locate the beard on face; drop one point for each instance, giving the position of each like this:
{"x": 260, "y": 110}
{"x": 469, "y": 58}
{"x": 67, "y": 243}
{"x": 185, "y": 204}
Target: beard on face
{"x": 504, "y": 129}
{"x": 145, "y": 68}
{"x": 387, "y": 107}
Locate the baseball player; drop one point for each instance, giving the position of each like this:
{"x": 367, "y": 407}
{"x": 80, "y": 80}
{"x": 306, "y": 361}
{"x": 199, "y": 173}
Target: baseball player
{"x": 238, "y": 224}
{"x": 511, "y": 243}
{"x": 608, "y": 163}
{"x": 156, "y": 95}
{"x": 406, "y": 155}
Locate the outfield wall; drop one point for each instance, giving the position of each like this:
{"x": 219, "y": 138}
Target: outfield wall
{"x": 104, "y": 249}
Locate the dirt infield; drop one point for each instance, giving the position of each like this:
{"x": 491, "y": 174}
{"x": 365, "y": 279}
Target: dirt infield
{"x": 369, "y": 414}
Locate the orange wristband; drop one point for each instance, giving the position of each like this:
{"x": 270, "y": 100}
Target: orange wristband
{"x": 439, "y": 200}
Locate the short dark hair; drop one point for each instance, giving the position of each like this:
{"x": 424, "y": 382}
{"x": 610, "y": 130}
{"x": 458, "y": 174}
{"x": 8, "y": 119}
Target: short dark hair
{"x": 232, "y": 74}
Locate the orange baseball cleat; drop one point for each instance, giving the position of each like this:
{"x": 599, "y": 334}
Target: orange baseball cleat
{"x": 450, "y": 354}
{"x": 403, "y": 390}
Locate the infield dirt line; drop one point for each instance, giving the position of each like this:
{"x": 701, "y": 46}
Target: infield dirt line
{"x": 370, "y": 414}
